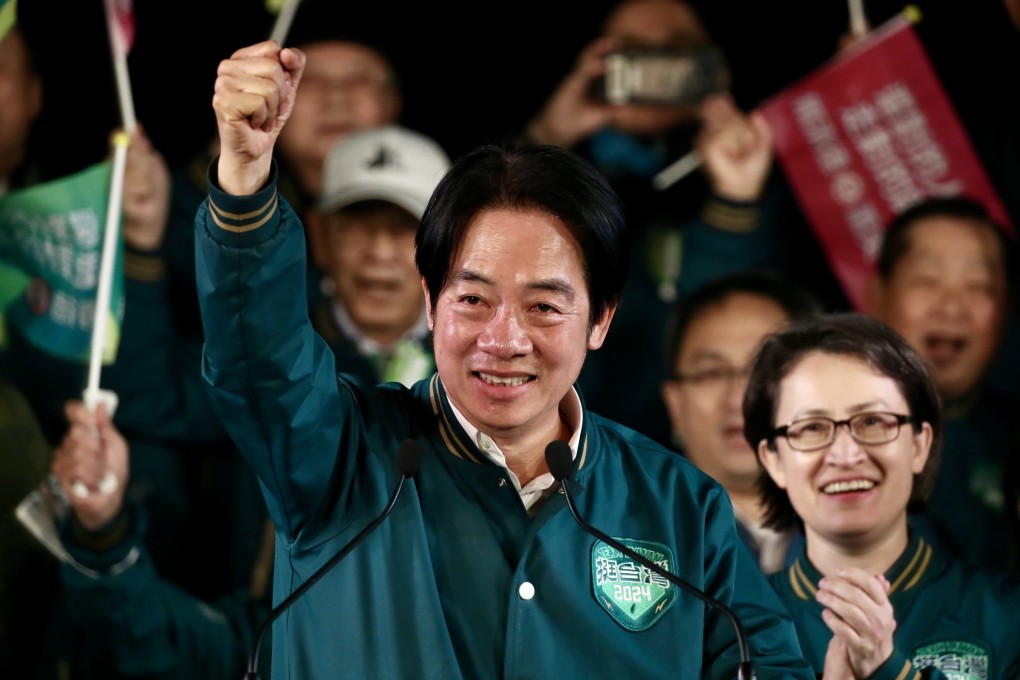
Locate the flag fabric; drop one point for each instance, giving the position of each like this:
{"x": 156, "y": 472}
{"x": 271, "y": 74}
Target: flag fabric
{"x": 8, "y": 15}
{"x": 120, "y": 20}
{"x": 51, "y": 239}
{"x": 866, "y": 136}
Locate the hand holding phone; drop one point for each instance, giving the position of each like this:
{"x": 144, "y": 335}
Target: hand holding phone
{"x": 661, "y": 76}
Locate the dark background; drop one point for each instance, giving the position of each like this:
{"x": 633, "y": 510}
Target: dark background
{"x": 471, "y": 71}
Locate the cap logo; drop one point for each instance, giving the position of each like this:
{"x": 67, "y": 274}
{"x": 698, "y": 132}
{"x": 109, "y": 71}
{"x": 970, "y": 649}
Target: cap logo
{"x": 383, "y": 158}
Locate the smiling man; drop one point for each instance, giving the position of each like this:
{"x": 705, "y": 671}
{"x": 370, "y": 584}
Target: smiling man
{"x": 480, "y": 570}
{"x": 942, "y": 281}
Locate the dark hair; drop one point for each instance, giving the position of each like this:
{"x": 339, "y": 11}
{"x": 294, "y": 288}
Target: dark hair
{"x": 896, "y": 240}
{"x": 528, "y": 177}
{"x": 848, "y": 334}
{"x": 798, "y": 302}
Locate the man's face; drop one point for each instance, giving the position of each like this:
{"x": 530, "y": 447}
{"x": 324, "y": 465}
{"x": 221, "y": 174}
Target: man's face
{"x": 705, "y": 403}
{"x": 510, "y": 326}
{"x": 345, "y": 87}
{"x": 371, "y": 264}
{"x": 20, "y": 101}
{"x": 947, "y": 297}
{"x": 655, "y": 24}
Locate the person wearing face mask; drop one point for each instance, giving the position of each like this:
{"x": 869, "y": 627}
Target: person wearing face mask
{"x": 714, "y": 221}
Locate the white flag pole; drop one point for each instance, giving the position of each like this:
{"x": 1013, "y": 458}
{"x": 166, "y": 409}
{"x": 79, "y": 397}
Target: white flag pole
{"x": 119, "y": 50}
{"x": 858, "y": 22}
{"x": 93, "y": 394}
{"x": 124, "y": 97}
{"x": 283, "y": 21}
{"x": 676, "y": 171}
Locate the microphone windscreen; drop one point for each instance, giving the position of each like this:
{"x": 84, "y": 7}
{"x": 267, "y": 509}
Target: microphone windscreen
{"x": 408, "y": 458}
{"x": 559, "y": 459}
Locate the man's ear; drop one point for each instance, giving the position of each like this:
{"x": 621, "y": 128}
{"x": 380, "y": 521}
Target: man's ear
{"x": 598, "y": 332}
{"x": 428, "y": 304}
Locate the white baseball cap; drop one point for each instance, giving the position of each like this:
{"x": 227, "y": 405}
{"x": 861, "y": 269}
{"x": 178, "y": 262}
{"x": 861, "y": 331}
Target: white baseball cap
{"x": 390, "y": 163}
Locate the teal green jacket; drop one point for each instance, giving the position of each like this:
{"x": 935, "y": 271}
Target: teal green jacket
{"x": 458, "y": 581}
{"x": 133, "y": 623}
{"x": 952, "y": 622}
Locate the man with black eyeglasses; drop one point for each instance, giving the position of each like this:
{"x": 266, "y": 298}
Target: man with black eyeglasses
{"x": 709, "y": 346}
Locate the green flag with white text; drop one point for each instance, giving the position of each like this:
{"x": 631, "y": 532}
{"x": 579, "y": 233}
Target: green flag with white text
{"x": 51, "y": 240}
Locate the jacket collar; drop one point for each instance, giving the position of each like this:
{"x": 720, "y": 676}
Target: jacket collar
{"x": 906, "y": 574}
{"x": 459, "y": 444}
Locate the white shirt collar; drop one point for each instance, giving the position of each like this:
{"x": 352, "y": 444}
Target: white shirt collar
{"x": 366, "y": 345}
{"x": 570, "y": 409}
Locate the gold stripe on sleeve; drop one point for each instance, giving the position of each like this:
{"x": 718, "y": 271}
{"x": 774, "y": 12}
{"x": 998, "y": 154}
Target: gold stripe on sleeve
{"x": 219, "y": 216}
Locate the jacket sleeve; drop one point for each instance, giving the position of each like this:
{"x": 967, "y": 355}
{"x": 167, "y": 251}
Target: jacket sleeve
{"x": 124, "y": 613}
{"x": 734, "y": 578}
{"x": 728, "y": 236}
{"x": 271, "y": 377}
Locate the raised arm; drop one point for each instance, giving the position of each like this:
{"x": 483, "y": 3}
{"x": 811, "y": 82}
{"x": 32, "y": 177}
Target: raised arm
{"x": 271, "y": 378}
{"x": 736, "y": 148}
{"x": 253, "y": 99}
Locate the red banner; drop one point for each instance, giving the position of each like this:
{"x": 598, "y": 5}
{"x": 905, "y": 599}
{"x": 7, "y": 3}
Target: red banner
{"x": 866, "y": 136}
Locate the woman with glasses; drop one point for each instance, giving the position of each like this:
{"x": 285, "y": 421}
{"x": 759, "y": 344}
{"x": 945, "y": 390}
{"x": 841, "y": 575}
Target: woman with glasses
{"x": 847, "y": 425}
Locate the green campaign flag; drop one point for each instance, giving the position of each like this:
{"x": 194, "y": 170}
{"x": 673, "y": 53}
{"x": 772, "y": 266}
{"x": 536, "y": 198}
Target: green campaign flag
{"x": 8, "y": 15}
{"x": 51, "y": 242}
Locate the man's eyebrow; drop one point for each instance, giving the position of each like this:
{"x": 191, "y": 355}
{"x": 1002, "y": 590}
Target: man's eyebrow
{"x": 552, "y": 285}
{"x": 470, "y": 276}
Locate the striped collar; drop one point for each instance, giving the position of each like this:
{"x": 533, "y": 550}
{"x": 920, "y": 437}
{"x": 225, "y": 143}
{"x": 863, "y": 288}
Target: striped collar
{"x": 459, "y": 443}
{"x": 906, "y": 574}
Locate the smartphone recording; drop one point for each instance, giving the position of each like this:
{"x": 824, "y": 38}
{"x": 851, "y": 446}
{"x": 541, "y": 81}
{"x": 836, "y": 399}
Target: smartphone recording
{"x": 661, "y": 76}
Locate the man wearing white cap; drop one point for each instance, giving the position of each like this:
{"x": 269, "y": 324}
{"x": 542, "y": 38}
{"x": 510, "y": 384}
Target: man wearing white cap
{"x": 375, "y": 189}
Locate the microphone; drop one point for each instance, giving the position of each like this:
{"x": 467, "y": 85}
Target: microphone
{"x": 561, "y": 464}
{"x": 408, "y": 458}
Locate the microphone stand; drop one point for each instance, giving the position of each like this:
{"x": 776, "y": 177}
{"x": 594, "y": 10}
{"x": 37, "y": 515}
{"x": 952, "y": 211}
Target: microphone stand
{"x": 407, "y": 463}
{"x": 558, "y": 458}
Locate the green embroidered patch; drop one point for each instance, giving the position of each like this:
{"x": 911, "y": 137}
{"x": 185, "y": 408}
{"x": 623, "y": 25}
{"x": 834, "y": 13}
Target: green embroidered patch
{"x": 634, "y": 595}
{"x": 956, "y": 659}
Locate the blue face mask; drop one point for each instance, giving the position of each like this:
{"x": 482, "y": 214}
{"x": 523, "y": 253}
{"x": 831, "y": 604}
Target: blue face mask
{"x": 619, "y": 153}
